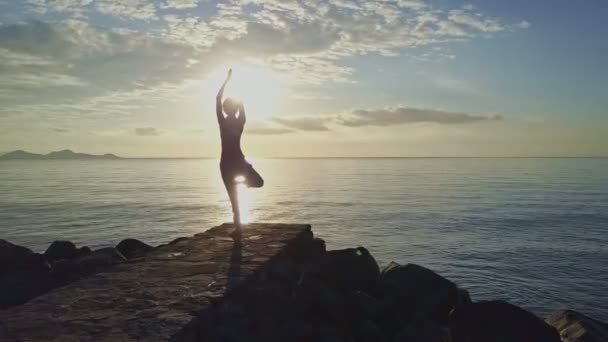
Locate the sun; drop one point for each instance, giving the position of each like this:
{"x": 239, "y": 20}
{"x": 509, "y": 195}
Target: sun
{"x": 260, "y": 88}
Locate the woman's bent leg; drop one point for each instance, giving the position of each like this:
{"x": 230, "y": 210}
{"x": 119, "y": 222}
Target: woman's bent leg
{"x": 231, "y": 188}
{"x": 253, "y": 178}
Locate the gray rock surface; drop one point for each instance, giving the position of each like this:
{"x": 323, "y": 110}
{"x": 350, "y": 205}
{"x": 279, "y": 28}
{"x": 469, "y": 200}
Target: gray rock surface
{"x": 156, "y": 298}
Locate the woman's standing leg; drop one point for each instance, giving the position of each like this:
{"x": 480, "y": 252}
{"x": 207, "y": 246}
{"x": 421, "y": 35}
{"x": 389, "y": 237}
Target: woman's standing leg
{"x": 231, "y": 188}
{"x": 234, "y": 201}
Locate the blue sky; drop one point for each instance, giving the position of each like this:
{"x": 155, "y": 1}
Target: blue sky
{"x": 319, "y": 78}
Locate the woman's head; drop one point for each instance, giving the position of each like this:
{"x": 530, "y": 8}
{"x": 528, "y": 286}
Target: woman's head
{"x": 231, "y": 106}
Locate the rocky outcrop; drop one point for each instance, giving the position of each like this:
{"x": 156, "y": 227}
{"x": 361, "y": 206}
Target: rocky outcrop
{"x": 61, "y": 250}
{"x": 25, "y": 275}
{"x": 15, "y": 258}
{"x": 272, "y": 283}
{"x": 498, "y": 321}
{"x": 133, "y": 248}
{"x": 576, "y": 327}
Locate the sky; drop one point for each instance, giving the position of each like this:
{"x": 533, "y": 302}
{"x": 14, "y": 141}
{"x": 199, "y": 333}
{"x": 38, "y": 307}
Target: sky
{"x": 326, "y": 78}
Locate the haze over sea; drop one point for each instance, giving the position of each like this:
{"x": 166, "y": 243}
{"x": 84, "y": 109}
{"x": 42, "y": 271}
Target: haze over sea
{"x": 533, "y": 231}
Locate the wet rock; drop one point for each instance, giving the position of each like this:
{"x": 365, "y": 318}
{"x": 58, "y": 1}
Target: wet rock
{"x": 414, "y": 292}
{"x": 352, "y": 269}
{"x": 99, "y": 260}
{"x": 61, "y": 250}
{"x": 576, "y": 327}
{"x": 20, "y": 286}
{"x": 14, "y": 257}
{"x": 133, "y": 248}
{"x": 498, "y": 321}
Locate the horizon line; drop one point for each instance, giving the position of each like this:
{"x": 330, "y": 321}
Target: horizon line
{"x": 354, "y": 157}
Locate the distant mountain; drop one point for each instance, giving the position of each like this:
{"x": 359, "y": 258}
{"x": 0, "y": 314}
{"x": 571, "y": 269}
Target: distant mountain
{"x": 65, "y": 154}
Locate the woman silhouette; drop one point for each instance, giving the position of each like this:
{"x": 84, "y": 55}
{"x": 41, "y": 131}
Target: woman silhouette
{"x": 235, "y": 169}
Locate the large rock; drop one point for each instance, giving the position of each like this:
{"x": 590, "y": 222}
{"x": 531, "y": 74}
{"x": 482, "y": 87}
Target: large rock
{"x": 413, "y": 292}
{"x": 498, "y": 321}
{"x": 14, "y": 258}
{"x": 20, "y": 286}
{"x": 99, "y": 260}
{"x": 576, "y": 327}
{"x": 61, "y": 250}
{"x": 133, "y": 248}
{"x": 351, "y": 269}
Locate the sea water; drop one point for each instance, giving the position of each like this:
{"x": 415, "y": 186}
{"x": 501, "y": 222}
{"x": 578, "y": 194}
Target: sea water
{"x": 533, "y": 231}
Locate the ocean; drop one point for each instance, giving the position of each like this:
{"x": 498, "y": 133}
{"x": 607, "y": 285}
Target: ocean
{"x": 533, "y": 231}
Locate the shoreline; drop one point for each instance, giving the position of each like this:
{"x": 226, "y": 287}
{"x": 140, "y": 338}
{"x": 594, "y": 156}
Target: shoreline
{"x": 362, "y": 301}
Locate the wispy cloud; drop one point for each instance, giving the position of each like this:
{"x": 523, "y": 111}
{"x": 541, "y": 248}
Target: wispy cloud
{"x": 268, "y": 130}
{"x": 127, "y": 9}
{"x": 180, "y": 4}
{"x": 382, "y": 118}
{"x": 405, "y": 115}
{"x": 305, "y": 123}
{"x": 160, "y": 46}
{"x": 147, "y": 131}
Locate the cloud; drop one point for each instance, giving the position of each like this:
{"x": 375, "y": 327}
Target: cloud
{"x": 40, "y": 80}
{"x": 181, "y": 4}
{"x": 404, "y": 115}
{"x": 310, "y": 40}
{"x": 147, "y": 131}
{"x": 305, "y": 123}
{"x": 476, "y": 21}
{"x": 268, "y": 130}
{"x": 127, "y": 9}
{"x": 456, "y": 85}
{"x": 523, "y": 25}
{"x": 74, "y": 7}
{"x": 9, "y": 58}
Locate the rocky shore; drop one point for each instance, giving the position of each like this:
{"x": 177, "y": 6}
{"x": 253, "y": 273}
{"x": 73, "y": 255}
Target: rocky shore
{"x": 276, "y": 282}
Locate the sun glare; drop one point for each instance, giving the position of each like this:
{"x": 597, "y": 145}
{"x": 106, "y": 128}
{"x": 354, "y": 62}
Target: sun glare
{"x": 260, "y": 88}
{"x": 246, "y": 198}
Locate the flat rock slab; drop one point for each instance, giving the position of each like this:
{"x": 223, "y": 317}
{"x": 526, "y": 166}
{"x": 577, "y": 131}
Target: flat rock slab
{"x": 153, "y": 299}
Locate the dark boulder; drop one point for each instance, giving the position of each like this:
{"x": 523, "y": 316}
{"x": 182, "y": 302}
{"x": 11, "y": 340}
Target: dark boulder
{"x": 352, "y": 269}
{"x": 133, "y": 248}
{"x": 20, "y": 286}
{"x": 498, "y": 321}
{"x": 99, "y": 260}
{"x": 14, "y": 258}
{"x": 84, "y": 250}
{"x": 61, "y": 250}
{"x": 576, "y": 327}
{"x": 413, "y": 292}
{"x": 364, "y": 306}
